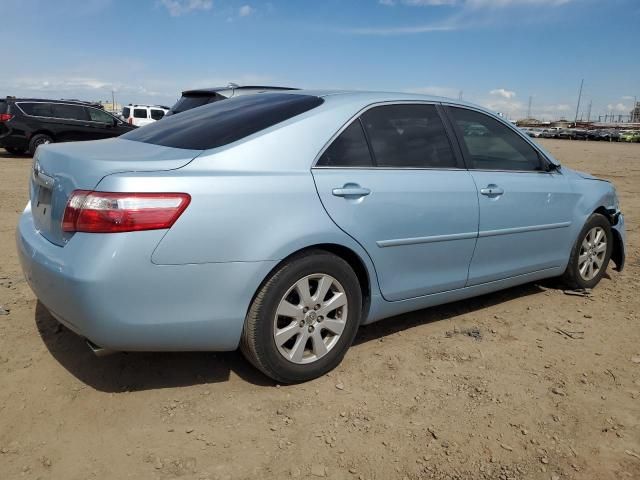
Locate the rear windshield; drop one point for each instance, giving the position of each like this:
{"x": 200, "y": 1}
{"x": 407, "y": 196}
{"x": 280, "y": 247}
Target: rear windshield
{"x": 187, "y": 102}
{"x": 225, "y": 122}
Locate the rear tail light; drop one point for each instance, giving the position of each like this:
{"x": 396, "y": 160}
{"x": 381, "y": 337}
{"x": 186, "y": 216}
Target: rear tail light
{"x": 106, "y": 212}
{"x": 130, "y": 121}
{"x": 5, "y": 117}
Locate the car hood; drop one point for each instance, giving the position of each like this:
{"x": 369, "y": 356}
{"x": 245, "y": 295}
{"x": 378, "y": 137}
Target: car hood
{"x": 582, "y": 175}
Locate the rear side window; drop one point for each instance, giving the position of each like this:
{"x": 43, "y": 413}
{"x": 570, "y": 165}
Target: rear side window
{"x": 3, "y": 106}
{"x": 126, "y": 111}
{"x": 491, "y": 145}
{"x": 225, "y": 122}
{"x": 69, "y": 112}
{"x": 350, "y": 149}
{"x": 140, "y": 112}
{"x": 408, "y": 136}
{"x": 156, "y": 114}
{"x": 36, "y": 109}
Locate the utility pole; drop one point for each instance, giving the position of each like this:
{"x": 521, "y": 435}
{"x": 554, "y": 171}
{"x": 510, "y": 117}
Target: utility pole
{"x": 579, "y": 98}
{"x": 589, "y": 111}
{"x": 529, "y": 108}
{"x": 460, "y": 95}
{"x": 113, "y": 101}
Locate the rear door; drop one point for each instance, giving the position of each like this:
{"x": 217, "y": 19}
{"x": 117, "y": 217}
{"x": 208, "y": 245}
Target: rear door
{"x": 141, "y": 116}
{"x": 392, "y": 181}
{"x": 69, "y": 122}
{"x": 525, "y": 210}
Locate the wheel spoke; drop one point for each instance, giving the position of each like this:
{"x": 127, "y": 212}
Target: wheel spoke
{"x": 297, "y": 352}
{"x": 319, "y": 347}
{"x": 283, "y": 335}
{"x": 302, "y": 287}
{"x": 586, "y": 244}
{"x": 598, "y": 235}
{"x": 288, "y": 309}
{"x": 334, "y": 326}
{"x": 601, "y": 248}
{"x": 583, "y": 269}
{"x": 589, "y": 270}
{"x": 338, "y": 300}
{"x": 582, "y": 258}
{"x": 323, "y": 287}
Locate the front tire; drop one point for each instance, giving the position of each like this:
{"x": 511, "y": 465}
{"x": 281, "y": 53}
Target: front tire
{"x": 591, "y": 254}
{"x": 303, "y": 318}
{"x": 37, "y": 140}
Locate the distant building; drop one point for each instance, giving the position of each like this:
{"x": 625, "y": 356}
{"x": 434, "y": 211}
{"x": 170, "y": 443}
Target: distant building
{"x": 635, "y": 113}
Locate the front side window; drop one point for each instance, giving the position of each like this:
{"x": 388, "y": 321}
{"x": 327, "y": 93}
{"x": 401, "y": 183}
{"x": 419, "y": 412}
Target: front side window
{"x": 157, "y": 114}
{"x": 492, "y": 145}
{"x": 350, "y": 149}
{"x": 140, "y": 112}
{"x": 101, "y": 116}
{"x": 36, "y": 109}
{"x": 69, "y": 112}
{"x": 408, "y": 136}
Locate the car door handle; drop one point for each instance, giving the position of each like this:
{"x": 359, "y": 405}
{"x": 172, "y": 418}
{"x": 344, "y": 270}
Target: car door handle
{"x": 491, "y": 190}
{"x": 351, "y": 191}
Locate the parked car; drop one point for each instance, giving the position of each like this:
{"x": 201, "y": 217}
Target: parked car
{"x": 26, "y": 123}
{"x": 281, "y": 222}
{"x": 140, "y": 115}
{"x": 630, "y": 136}
{"x": 196, "y": 98}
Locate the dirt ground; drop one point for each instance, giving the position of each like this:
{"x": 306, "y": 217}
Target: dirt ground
{"x": 480, "y": 389}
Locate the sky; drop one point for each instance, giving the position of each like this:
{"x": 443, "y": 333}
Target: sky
{"x": 496, "y": 53}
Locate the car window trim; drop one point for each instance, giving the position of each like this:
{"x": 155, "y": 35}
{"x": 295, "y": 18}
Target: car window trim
{"x": 17, "y": 104}
{"x": 362, "y": 111}
{"x": 544, "y": 160}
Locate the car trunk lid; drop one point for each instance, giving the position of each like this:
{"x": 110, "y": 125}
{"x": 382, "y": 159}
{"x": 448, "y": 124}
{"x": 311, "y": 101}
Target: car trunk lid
{"x": 60, "y": 169}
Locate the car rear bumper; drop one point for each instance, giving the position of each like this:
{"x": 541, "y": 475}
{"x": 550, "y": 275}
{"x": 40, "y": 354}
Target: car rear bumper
{"x": 105, "y": 288}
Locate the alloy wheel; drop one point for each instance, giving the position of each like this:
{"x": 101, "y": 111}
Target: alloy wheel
{"x": 310, "y": 318}
{"x": 592, "y": 253}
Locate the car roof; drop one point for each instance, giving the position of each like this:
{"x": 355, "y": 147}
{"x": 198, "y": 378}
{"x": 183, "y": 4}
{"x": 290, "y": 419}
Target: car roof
{"x": 49, "y": 100}
{"x": 336, "y": 97}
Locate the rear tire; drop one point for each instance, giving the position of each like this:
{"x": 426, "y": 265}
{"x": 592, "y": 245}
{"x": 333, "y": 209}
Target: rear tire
{"x": 591, "y": 254}
{"x": 293, "y": 336}
{"x": 37, "y": 140}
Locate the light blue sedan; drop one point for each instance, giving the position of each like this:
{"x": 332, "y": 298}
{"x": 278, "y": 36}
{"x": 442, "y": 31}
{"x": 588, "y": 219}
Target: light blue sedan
{"x": 281, "y": 222}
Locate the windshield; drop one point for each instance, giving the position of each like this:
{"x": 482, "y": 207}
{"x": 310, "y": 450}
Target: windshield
{"x": 221, "y": 123}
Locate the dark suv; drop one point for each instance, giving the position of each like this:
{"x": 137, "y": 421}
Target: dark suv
{"x": 196, "y": 98}
{"x": 26, "y": 123}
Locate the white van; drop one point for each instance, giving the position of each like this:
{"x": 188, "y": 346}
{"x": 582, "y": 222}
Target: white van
{"x": 140, "y": 115}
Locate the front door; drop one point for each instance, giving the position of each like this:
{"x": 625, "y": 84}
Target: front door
{"x": 525, "y": 208}
{"x": 392, "y": 182}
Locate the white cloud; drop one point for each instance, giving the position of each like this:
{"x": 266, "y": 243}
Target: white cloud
{"x": 181, "y": 7}
{"x": 246, "y": 10}
{"x": 501, "y": 92}
{"x": 618, "y": 107}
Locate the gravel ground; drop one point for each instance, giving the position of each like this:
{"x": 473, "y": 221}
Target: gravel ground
{"x": 479, "y": 389}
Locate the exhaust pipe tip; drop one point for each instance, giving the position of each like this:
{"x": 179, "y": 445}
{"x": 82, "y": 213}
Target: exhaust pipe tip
{"x": 99, "y": 351}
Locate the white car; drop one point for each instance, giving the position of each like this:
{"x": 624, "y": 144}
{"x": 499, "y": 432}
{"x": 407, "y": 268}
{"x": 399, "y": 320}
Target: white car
{"x": 140, "y": 115}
